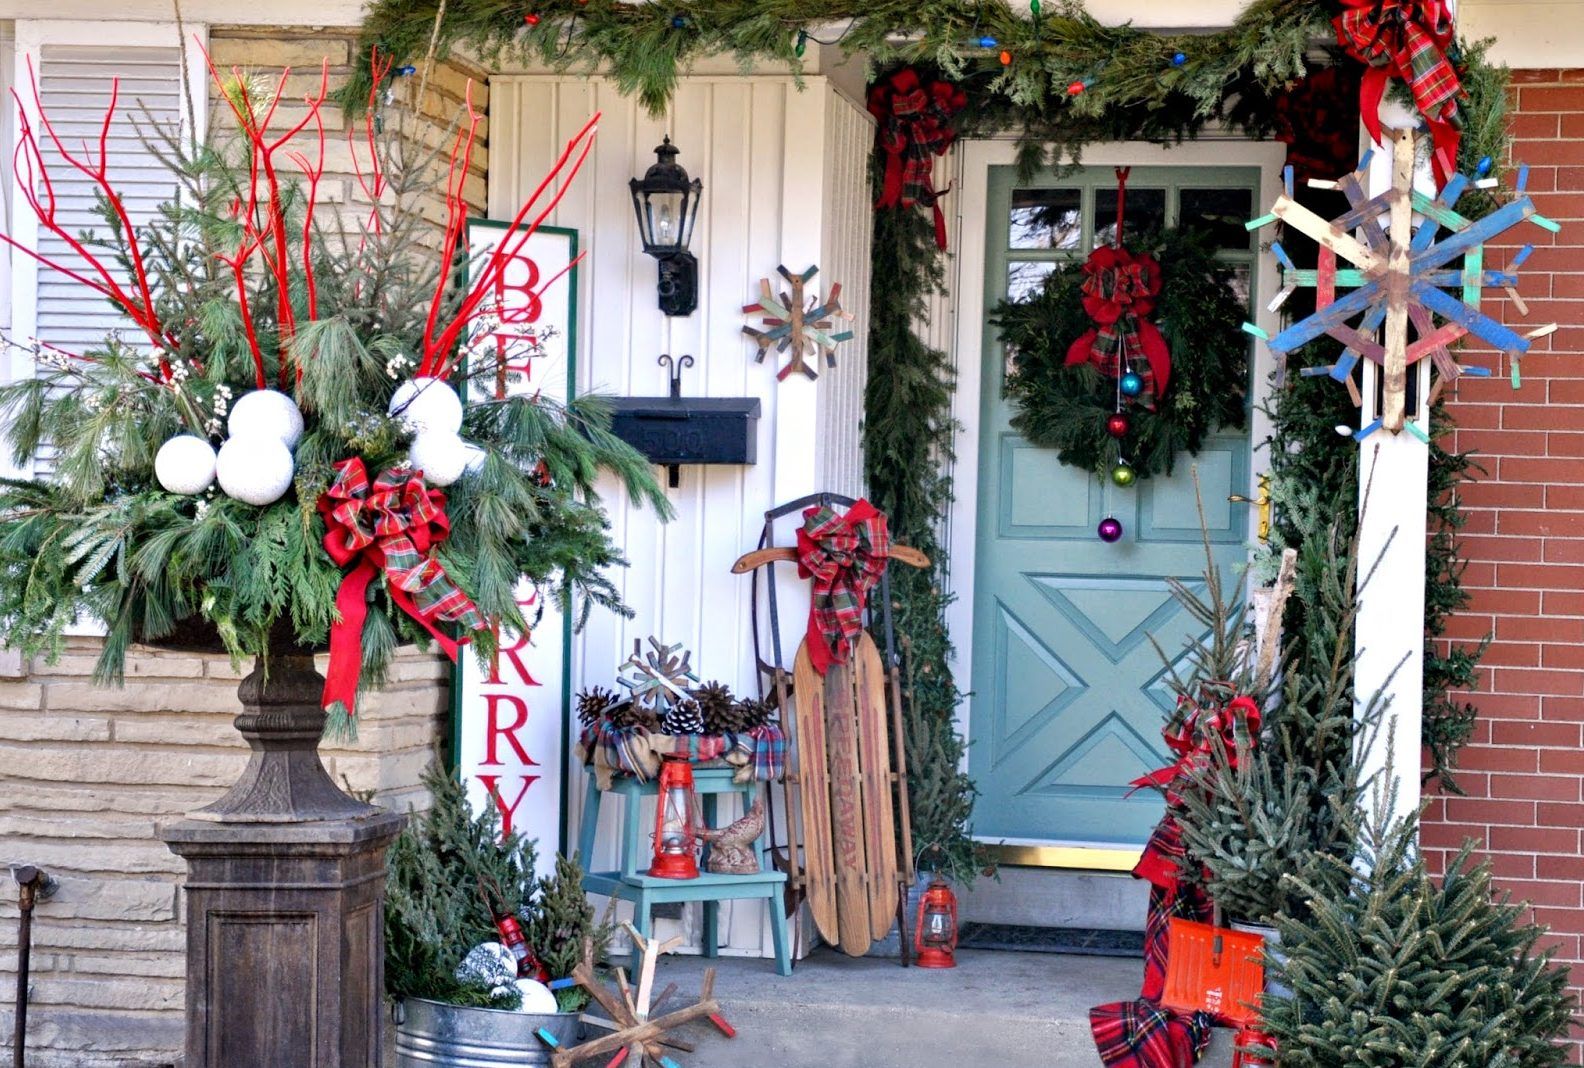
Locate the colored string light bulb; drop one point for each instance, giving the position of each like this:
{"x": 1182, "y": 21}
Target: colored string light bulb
{"x": 1034, "y": 8}
{"x": 531, "y": 19}
{"x": 1179, "y": 58}
{"x": 1078, "y": 87}
{"x": 1483, "y": 168}
{"x": 987, "y": 41}
{"x": 1006, "y": 58}
{"x": 678, "y": 21}
{"x": 406, "y": 72}
{"x": 802, "y": 43}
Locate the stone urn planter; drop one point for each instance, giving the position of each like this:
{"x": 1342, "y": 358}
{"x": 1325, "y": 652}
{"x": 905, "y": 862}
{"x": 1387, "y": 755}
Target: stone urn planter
{"x": 432, "y": 1035}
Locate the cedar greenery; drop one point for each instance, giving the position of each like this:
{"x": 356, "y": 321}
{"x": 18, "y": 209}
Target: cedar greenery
{"x": 101, "y": 538}
{"x": 1066, "y": 408}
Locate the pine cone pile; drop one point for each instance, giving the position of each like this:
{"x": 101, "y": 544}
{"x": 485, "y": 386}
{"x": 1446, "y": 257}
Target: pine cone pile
{"x": 715, "y": 703}
{"x": 683, "y": 718}
{"x": 593, "y": 704}
{"x": 598, "y": 704}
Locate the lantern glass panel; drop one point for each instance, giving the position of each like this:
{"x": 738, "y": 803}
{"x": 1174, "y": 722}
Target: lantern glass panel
{"x": 665, "y": 220}
{"x": 675, "y": 827}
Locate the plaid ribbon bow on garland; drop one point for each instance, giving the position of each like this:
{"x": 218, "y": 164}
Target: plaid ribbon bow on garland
{"x": 845, "y": 555}
{"x": 1407, "y": 39}
{"x": 1236, "y": 723}
{"x": 1119, "y": 290}
{"x": 391, "y": 528}
{"x": 915, "y": 125}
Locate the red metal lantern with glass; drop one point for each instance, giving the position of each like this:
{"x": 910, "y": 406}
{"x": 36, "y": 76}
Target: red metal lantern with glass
{"x": 935, "y": 937}
{"x": 676, "y": 822}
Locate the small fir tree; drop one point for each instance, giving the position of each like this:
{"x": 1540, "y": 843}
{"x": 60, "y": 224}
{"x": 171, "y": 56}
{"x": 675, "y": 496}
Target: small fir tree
{"x": 561, "y": 919}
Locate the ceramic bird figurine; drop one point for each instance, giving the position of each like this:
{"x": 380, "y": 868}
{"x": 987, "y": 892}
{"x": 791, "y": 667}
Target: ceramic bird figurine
{"x": 732, "y": 847}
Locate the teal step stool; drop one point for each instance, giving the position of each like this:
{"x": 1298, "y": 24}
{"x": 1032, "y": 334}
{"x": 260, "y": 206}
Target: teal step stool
{"x": 634, "y": 884}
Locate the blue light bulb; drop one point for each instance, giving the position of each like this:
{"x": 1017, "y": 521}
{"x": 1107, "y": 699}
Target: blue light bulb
{"x": 987, "y": 41}
{"x": 1179, "y": 59}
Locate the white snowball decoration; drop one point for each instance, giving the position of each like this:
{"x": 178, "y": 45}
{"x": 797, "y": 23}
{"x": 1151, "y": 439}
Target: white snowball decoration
{"x": 185, "y": 464}
{"x": 475, "y": 458}
{"x": 440, "y": 456}
{"x": 266, "y": 413}
{"x": 256, "y": 469}
{"x": 490, "y": 963}
{"x": 536, "y": 997}
{"x": 427, "y": 404}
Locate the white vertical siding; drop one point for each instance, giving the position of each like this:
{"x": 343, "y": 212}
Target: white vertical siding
{"x": 784, "y": 182}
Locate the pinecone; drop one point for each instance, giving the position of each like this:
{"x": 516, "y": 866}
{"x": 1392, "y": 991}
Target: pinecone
{"x": 715, "y": 703}
{"x": 683, "y": 718}
{"x": 751, "y": 713}
{"x": 595, "y": 704}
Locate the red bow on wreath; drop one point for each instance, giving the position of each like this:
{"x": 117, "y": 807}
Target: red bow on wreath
{"x": 1192, "y": 743}
{"x": 1119, "y": 290}
{"x": 915, "y": 124}
{"x": 1406, "y": 39}
{"x": 391, "y": 528}
{"x": 845, "y": 555}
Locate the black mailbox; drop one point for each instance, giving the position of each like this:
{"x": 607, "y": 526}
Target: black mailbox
{"x": 679, "y": 430}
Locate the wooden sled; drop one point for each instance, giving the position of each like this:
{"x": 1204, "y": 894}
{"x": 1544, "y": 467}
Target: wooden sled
{"x": 846, "y": 783}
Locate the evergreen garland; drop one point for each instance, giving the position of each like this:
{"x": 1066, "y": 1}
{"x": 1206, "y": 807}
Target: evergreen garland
{"x": 1066, "y": 408}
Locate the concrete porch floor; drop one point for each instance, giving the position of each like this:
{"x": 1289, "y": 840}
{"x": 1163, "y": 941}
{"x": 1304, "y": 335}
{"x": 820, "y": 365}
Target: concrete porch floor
{"x": 993, "y": 1009}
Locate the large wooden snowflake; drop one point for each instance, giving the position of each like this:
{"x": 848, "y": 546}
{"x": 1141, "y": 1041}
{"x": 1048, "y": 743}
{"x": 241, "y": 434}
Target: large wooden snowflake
{"x": 790, "y": 325}
{"x": 1404, "y": 274}
{"x": 660, "y": 677}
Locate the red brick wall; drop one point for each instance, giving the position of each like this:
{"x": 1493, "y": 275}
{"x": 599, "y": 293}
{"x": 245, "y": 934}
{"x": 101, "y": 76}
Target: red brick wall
{"x": 1524, "y": 770}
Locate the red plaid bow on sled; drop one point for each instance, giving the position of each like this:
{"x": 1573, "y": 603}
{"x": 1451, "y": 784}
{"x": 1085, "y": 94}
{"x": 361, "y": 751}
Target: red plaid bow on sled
{"x": 845, "y": 555}
{"x": 915, "y": 126}
{"x": 1407, "y": 39}
{"x": 1119, "y": 290}
{"x": 1236, "y": 723}
{"x": 390, "y": 528}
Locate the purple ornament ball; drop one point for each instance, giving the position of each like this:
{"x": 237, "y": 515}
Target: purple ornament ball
{"x": 1110, "y": 529}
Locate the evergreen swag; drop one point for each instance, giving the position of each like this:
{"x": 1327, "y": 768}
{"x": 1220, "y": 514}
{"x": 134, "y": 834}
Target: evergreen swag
{"x": 1065, "y": 408}
{"x": 435, "y": 911}
{"x": 101, "y": 539}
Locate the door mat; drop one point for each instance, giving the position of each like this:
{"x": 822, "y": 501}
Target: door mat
{"x": 1082, "y": 941}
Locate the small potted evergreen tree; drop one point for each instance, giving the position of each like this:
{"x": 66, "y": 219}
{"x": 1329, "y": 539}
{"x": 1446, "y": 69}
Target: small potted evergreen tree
{"x": 450, "y": 876}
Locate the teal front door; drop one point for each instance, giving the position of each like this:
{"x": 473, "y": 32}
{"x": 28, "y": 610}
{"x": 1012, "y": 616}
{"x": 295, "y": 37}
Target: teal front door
{"x": 1068, "y": 690}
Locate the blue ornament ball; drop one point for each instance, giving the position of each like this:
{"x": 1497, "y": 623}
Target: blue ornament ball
{"x": 1132, "y": 384}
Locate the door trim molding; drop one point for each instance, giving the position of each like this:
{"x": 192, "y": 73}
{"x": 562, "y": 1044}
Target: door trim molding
{"x": 972, "y": 165}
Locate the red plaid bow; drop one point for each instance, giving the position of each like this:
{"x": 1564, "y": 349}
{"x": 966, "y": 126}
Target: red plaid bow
{"x": 1406, "y": 39}
{"x": 845, "y": 555}
{"x": 1119, "y": 289}
{"x": 1192, "y": 740}
{"x": 915, "y": 124}
{"x": 391, "y": 528}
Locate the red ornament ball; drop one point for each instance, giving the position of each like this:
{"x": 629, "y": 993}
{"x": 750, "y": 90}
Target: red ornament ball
{"x": 1117, "y": 425}
{"x": 1110, "y": 529}
{"x": 532, "y": 20}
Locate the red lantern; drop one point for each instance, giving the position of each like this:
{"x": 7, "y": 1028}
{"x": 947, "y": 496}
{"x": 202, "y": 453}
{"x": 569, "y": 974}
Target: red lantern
{"x": 935, "y": 937}
{"x": 676, "y": 822}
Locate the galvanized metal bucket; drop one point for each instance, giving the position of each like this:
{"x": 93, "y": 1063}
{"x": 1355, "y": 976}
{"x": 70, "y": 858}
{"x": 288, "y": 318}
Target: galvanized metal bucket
{"x": 449, "y": 1036}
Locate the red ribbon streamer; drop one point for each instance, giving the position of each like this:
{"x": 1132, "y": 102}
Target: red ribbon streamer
{"x": 388, "y": 529}
{"x": 845, "y": 555}
{"x": 915, "y": 124}
{"x": 1406, "y": 39}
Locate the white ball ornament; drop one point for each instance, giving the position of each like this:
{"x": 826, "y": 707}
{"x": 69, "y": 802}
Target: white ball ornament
{"x": 427, "y": 404}
{"x": 536, "y": 997}
{"x": 441, "y": 457}
{"x": 266, "y": 413}
{"x": 255, "y": 470}
{"x": 185, "y": 464}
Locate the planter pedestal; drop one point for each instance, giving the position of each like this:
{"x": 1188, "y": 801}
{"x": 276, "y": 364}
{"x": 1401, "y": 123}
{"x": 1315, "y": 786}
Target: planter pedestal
{"x": 285, "y": 889}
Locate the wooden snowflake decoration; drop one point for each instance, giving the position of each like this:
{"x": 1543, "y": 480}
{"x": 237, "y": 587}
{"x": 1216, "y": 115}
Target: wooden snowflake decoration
{"x": 1404, "y": 274}
{"x": 799, "y": 324}
{"x": 660, "y": 677}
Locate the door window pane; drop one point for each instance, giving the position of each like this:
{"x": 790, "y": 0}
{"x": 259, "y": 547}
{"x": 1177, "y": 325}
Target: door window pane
{"x": 1046, "y": 218}
{"x": 1146, "y": 212}
{"x": 1025, "y": 279}
{"x": 1220, "y": 213}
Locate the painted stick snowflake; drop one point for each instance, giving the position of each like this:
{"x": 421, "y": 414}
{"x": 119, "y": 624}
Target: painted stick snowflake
{"x": 792, "y": 325}
{"x": 659, "y": 678}
{"x": 1405, "y": 273}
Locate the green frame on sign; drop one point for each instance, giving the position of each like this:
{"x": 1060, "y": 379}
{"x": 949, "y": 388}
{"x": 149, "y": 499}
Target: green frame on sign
{"x": 571, "y": 283}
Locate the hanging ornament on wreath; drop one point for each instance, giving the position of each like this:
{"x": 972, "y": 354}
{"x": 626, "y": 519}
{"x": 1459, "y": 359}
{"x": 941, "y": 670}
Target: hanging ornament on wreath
{"x": 1120, "y": 361}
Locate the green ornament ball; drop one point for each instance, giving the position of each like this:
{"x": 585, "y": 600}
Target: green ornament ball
{"x": 1123, "y": 475}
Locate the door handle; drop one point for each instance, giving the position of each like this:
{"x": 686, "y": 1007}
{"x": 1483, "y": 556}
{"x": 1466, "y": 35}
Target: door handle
{"x": 1264, "y": 503}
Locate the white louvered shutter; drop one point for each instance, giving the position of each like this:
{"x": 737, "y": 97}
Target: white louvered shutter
{"x": 74, "y": 86}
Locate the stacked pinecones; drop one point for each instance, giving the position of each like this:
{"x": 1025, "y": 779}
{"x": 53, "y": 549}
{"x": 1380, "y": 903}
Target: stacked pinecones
{"x": 597, "y": 703}
{"x": 724, "y": 714}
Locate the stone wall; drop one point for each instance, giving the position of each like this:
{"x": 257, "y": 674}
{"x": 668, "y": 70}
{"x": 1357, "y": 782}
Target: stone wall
{"x": 88, "y": 774}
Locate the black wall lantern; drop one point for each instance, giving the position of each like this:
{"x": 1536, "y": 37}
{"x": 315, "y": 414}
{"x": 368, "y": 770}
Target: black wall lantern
{"x": 666, "y": 203}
